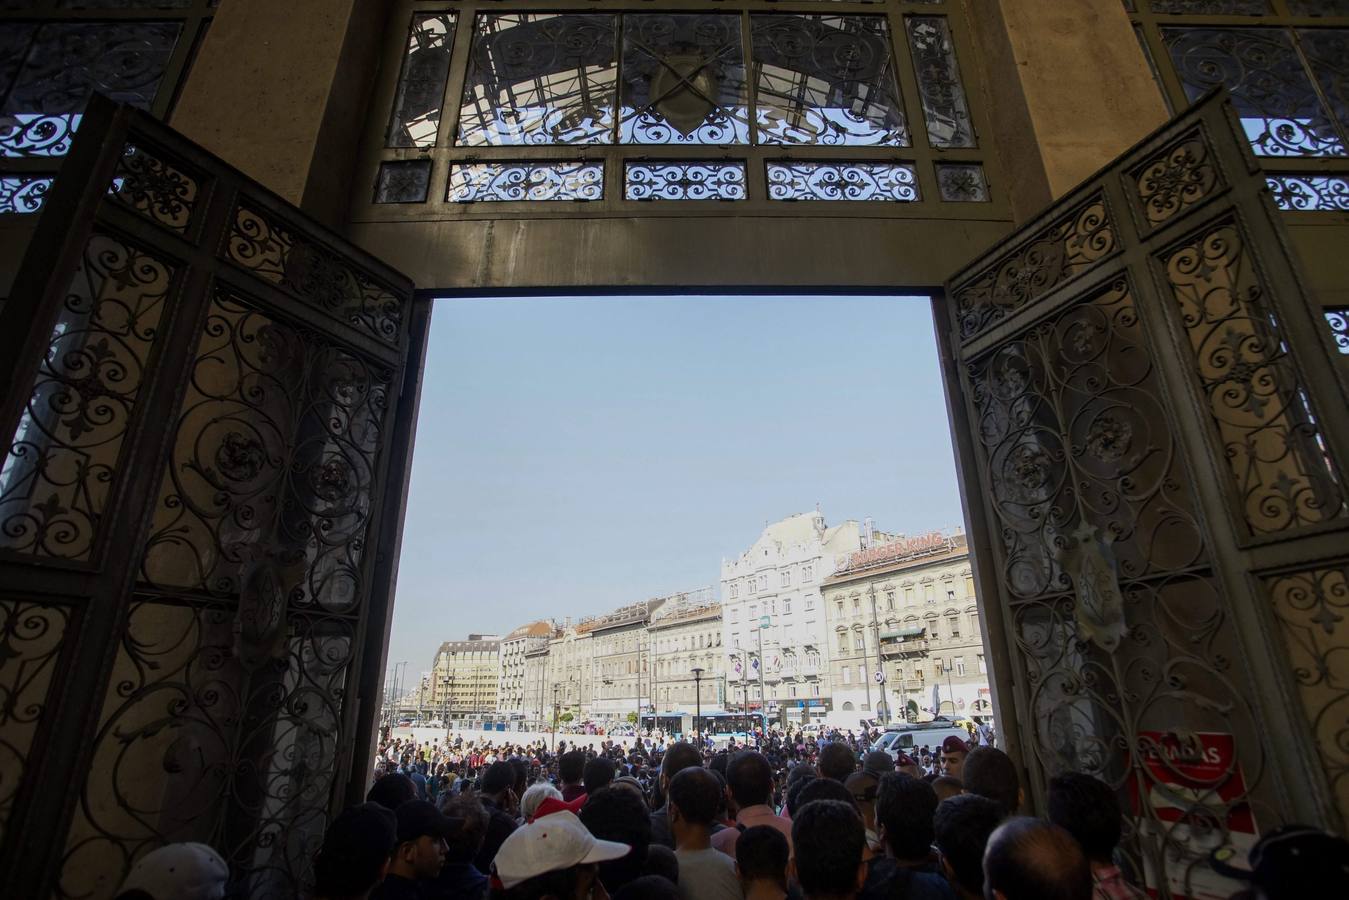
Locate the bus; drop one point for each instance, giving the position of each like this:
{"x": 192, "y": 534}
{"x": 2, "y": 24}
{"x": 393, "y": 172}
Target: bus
{"x": 719, "y": 725}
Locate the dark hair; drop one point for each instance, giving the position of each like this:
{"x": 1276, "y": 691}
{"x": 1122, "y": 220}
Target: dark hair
{"x": 521, "y": 769}
{"x": 762, "y": 852}
{"x": 697, "y": 793}
{"x": 679, "y": 756}
{"x": 618, "y": 814}
{"x": 948, "y": 783}
{"x": 465, "y": 836}
{"x": 392, "y": 791}
{"x": 661, "y": 860}
{"x": 1028, "y": 859}
{"x": 570, "y": 765}
{"x": 649, "y": 887}
{"x": 799, "y": 771}
{"x": 904, "y": 806}
{"x": 598, "y": 773}
{"x": 559, "y": 883}
{"x": 500, "y": 776}
{"x": 962, "y": 827}
{"x": 989, "y": 773}
{"x": 355, "y": 848}
{"x": 837, "y": 761}
{"x": 1087, "y": 809}
{"x": 828, "y": 838}
{"x": 794, "y": 789}
{"x": 750, "y": 778}
{"x": 826, "y": 789}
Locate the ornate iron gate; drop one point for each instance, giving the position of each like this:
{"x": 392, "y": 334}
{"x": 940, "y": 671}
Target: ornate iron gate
{"x": 1153, "y": 448}
{"x": 199, "y": 508}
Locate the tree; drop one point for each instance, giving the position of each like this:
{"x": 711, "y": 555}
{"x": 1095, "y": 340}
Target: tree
{"x": 912, "y": 710}
{"x": 565, "y": 717}
{"x": 632, "y": 718}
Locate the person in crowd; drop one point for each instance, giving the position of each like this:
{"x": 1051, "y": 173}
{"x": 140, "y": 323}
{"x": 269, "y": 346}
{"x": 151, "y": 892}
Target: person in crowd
{"x": 749, "y": 780}
{"x": 961, "y": 829}
{"x": 661, "y": 860}
{"x": 186, "y": 871}
{"x": 553, "y": 858}
{"x": 570, "y": 770}
{"x": 828, "y": 840}
{"x": 1290, "y": 862}
{"x": 649, "y": 887}
{"x": 989, "y": 772}
{"x": 678, "y": 756}
{"x": 498, "y": 797}
{"x": 1088, "y": 809}
{"x": 534, "y": 795}
{"x": 837, "y": 761}
{"x": 904, "y": 809}
{"x": 878, "y": 763}
{"x": 617, "y": 814}
{"x": 355, "y": 854}
{"x": 419, "y": 853}
{"x": 459, "y": 878}
{"x": 392, "y": 791}
{"x": 1030, "y": 859}
{"x": 704, "y": 873}
{"x": 909, "y": 766}
{"x": 761, "y": 857}
{"x": 825, "y": 789}
{"x": 946, "y": 787}
{"x": 953, "y": 753}
{"x": 597, "y": 774}
{"x": 862, "y": 786}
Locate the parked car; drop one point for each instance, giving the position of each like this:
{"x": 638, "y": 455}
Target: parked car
{"x": 904, "y": 738}
{"x": 403, "y": 723}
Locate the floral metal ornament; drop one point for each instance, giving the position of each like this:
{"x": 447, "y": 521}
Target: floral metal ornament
{"x": 1094, "y": 571}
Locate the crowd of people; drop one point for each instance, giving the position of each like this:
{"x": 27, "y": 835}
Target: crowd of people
{"x": 827, "y": 820}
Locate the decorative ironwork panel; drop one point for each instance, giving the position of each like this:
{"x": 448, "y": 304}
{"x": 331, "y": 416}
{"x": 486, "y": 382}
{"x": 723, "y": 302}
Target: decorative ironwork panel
{"x": 684, "y": 181}
{"x": 946, "y": 112}
{"x": 1083, "y": 468}
{"x": 417, "y": 105}
{"x": 22, "y": 194}
{"x": 683, "y": 80}
{"x": 1264, "y": 421}
{"x": 826, "y": 80}
{"x": 407, "y": 181}
{"x": 479, "y": 182}
{"x": 796, "y": 180}
{"x": 126, "y": 4}
{"x": 1311, "y": 608}
{"x": 1318, "y": 7}
{"x": 539, "y": 78}
{"x": 1035, "y": 265}
{"x": 271, "y": 251}
{"x": 158, "y": 190}
{"x": 1304, "y": 191}
{"x": 1210, "y": 7}
{"x": 1176, "y": 178}
{"x": 64, "y": 63}
{"x": 31, "y": 635}
{"x": 962, "y": 182}
{"x": 1338, "y": 321}
{"x": 204, "y": 711}
{"x": 1271, "y": 90}
{"x": 1327, "y": 52}
{"x": 272, "y": 470}
{"x": 62, "y": 458}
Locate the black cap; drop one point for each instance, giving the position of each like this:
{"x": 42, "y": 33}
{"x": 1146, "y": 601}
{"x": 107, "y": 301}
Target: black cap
{"x": 365, "y": 825}
{"x": 1292, "y": 861}
{"x": 419, "y": 817}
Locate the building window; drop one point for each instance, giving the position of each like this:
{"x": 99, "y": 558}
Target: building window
{"x": 810, "y": 603}
{"x": 908, "y": 596}
{"x": 785, "y": 579}
{"x": 856, "y": 605}
{"x": 950, "y": 595}
{"x": 786, "y": 606}
{"x": 807, "y": 573}
{"x": 763, "y": 582}
{"x": 843, "y": 643}
{"x": 930, "y": 592}
{"x": 859, "y": 642}
{"x": 953, "y": 622}
{"x": 983, "y": 668}
{"x": 960, "y": 665}
{"x": 936, "y": 666}
{"x": 735, "y": 590}
{"x": 847, "y": 675}
{"x": 969, "y": 585}
{"x": 753, "y": 582}
{"x": 839, "y": 603}
{"x": 890, "y": 600}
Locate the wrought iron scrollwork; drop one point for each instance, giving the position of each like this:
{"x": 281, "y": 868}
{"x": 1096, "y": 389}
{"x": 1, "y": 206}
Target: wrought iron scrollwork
{"x": 684, "y": 181}
{"x": 796, "y": 180}
{"x": 415, "y": 120}
{"x": 945, "y": 109}
{"x": 479, "y": 182}
{"x": 22, "y": 195}
{"x": 1178, "y": 177}
{"x": 1338, "y": 322}
{"x": 1263, "y": 417}
{"x": 155, "y": 188}
{"x": 63, "y": 455}
{"x": 403, "y": 181}
{"x": 1307, "y": 192}
{"x": 962, "y": 182}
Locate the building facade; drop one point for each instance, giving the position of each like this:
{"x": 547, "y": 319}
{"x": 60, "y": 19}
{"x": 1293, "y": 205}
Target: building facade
{"x": 622, "y": 662}
{"x": 570, "y": 687}
{"x": 904, "y": 636}
{"x": 464, "y": 678}
{"x": 511, "y": 683}
{"x": 538, "y": 689}
{"x": 773, "y": 622}
{"x": 687, "y": 635}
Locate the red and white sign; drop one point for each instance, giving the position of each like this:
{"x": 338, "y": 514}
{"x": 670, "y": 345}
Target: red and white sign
{"x": 1187, "y": 778}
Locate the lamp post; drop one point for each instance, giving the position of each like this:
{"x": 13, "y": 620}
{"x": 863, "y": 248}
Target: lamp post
{"x": 698, "y": 705}
{"x": 946, "y": 667}
{"x": 881, "y": 706}
{"x": 556, "y": 688}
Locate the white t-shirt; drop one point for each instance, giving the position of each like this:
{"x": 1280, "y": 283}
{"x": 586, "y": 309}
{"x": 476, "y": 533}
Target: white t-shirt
{"x": 707, "y": 875}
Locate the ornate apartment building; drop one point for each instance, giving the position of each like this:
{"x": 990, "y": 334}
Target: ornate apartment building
{"x": 464, "y": 678}
{"x": 511, "y": 681}
{"x": 687, "y": 635}
{"x": 906, "y": 611}
{"x": 622, "y": 661}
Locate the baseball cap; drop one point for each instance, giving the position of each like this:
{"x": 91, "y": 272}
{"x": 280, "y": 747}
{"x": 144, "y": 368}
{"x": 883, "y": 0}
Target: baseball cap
{"x": 954, "y": 744}
{"x": 1292, "y": 861}
{"x": 906, "y": 760}
{"x": 419, "y": 817}
{"x": 186, "y": 871}
{"x": 550, "y": 844}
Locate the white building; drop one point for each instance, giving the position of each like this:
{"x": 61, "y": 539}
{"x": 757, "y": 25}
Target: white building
{"x": 511, "y": 695}
{"x": 773, "y": 620}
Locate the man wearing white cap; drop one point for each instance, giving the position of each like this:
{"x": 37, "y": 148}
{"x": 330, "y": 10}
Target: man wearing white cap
{"x": 177, "y": 872}
{"x": 554, "y": 858}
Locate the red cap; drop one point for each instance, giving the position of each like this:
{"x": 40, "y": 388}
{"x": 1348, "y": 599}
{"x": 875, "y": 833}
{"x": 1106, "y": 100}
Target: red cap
{"x": 954, "y": 744}
{"x": 906, "y": 760}
{"x": 551, "y": 805}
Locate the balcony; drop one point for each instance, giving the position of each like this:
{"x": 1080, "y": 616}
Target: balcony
{"x": 905, "y": 643}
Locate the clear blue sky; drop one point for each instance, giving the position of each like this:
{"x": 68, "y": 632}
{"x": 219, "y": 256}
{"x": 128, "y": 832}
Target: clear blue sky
{"x": 574, "y": 455}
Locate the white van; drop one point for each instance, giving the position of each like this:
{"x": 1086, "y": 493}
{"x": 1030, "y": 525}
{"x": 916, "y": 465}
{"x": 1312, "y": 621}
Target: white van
{"x": 907, "y": 739}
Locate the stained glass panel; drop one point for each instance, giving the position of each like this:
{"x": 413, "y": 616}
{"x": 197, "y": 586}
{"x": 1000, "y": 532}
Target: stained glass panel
{"x": 683, "y": 80}
{"x": 945, "y": 109}
{"x": 421, "y": 84}
{"x": 479, "y": 182}
{"x": 685, "y": 181}
{"x": 1270, "y": 88}
{"x": 1315, "y": 193}
{"x": 403, "y": 181}
{"x": 795, "y": 180}
{"x": 826, "y": 80}
{"x": 539, "y": 78}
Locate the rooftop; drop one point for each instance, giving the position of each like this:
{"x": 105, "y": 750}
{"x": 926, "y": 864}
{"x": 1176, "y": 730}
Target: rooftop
{"x": 901, "y": 553}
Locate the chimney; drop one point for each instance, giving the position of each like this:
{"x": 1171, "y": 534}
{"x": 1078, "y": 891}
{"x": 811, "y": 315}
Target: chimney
{"x": 867, "y": 533}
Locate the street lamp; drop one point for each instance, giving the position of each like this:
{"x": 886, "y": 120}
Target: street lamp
{"x": 698, "y": 705}
{"x": 556, "y": 688}
{"x": 946, "y": 667}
